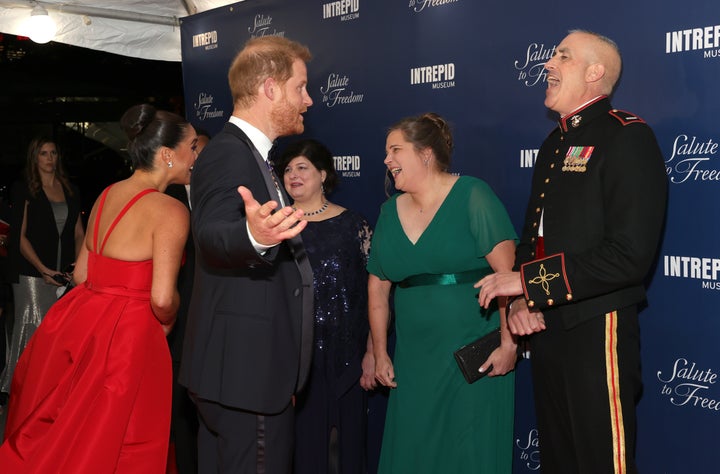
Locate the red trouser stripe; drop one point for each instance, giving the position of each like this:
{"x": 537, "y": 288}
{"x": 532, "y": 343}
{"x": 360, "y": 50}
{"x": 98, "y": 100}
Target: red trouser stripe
{"x": 613, "y": 384}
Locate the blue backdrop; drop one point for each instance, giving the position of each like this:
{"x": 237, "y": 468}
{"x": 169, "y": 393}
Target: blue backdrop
{"x": 479, "y": 64}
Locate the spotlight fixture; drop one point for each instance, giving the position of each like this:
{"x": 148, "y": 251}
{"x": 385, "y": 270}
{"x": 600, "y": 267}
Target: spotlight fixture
{"x": 40, "y": 27}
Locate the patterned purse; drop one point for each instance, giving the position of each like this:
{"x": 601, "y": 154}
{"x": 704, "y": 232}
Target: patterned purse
{"x": 471, "y": 356}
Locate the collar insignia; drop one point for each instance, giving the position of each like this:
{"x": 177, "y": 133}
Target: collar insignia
{"x": 575, "y": 120}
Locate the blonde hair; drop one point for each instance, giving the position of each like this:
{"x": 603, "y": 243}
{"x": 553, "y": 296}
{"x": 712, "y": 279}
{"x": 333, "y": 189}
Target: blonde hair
{"x": 263, "y": 57}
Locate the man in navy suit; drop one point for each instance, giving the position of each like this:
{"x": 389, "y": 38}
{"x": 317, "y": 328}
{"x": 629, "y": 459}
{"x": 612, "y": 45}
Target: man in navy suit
{"x": 183, "y": 421}
{"x": 249, "y": 334}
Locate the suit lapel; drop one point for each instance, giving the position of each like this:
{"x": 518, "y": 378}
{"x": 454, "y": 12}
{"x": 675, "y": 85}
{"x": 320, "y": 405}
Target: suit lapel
{"x": 273, "y": 184}
{"x": 301, "y": 260}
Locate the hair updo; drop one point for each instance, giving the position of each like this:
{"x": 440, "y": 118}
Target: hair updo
{"x": 148, "y": 129}
{"x": 428, "y": 130}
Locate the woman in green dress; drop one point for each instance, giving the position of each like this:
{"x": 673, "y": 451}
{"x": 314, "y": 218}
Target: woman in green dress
{"x": 441, "y": 228}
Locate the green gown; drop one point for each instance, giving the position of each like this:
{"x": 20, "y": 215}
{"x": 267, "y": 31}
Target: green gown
{"x": 437, "y": 422}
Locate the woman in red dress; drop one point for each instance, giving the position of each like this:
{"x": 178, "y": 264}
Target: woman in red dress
{"x": 92, "y": 391}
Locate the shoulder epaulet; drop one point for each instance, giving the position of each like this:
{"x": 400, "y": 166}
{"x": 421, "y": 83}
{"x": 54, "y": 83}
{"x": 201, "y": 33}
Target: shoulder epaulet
{"x": 624, "y": 117}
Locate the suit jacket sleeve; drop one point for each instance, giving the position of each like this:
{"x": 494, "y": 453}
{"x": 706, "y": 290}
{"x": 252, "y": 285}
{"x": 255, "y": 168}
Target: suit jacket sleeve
{"x": 220, "y": 225}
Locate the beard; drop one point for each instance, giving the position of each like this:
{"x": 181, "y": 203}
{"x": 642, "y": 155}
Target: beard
{"x": 286, "y": 119}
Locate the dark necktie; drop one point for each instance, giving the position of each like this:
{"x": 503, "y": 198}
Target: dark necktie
{"x": 270, "y": 162}
{"x": 272, "y": 154}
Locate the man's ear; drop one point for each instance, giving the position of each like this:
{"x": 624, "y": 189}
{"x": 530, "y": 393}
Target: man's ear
{"x": 595, "y": 72}
{"x": 269, "y": 88}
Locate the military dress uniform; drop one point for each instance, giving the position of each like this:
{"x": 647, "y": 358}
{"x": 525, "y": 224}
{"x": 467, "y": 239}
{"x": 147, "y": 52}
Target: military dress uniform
{"x": 599, "y": 194}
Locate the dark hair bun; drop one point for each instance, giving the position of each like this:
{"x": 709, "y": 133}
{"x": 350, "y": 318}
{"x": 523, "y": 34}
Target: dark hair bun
{"x": 443, "y": 127}
{"x": 134, "y": 121}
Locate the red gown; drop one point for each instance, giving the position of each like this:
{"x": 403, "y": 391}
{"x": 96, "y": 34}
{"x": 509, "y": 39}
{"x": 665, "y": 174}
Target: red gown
{"x": 92, "y": 390}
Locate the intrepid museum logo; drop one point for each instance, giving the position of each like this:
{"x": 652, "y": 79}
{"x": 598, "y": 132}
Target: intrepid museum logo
{"x": 344, "y": 9}
{"x": 705, "y": 39}
{"x": 441, "y": 76}
{"x": 262, "y": 26}
{"x": 204, "y": 108}
{"x": 687, "y": 384}
{"x": 336, "y": 91}
{"x": 528, "y": 157}
{"x": 690, "y": 161}
{"x": 347, "y": 166}
{"x": 420, "y": 5}
{"x": 693, "y": 268}
{"x": 207, "y": 40}
{"x": 531, "y": 68}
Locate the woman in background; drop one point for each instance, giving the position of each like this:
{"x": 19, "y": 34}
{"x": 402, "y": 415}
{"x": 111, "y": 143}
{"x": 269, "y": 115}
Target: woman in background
{"x": 46, "y": 210}
{"x": 331, "y": 412}
{"x": 436, "y": 239}
{"x": 92, "y": 390}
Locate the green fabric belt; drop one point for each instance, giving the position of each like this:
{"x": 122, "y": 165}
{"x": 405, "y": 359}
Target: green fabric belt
{"x": 424, "y": 279}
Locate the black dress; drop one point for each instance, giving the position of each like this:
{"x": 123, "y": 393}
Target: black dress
{"x": 331, "y": 418}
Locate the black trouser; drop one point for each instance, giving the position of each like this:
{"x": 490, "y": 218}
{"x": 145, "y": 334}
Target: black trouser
{"x": 234, "y": 441}
{"x": 183, "y": 427}
{"x": 587, "y": 382}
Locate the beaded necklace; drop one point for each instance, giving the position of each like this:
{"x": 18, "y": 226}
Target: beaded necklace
{"x": 319, "y": 211}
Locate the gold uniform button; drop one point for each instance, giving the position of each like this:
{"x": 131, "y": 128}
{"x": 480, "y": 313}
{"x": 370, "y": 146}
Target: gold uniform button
{"x": 550, "y": 302}
{"x": 552, "y": 165}
{"x": 537, "y": 210}
{"x": 531, "y": 303}
{"x": 547, "y": 180}
{"x": 568, "y": 297}
{"x": 542, "y": 195}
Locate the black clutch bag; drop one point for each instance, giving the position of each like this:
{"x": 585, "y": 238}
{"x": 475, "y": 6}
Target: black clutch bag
{"x": 471, "y": 356}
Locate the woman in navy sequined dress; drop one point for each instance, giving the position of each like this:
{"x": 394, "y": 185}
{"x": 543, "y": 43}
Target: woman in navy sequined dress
{"x": 331, "y": 414}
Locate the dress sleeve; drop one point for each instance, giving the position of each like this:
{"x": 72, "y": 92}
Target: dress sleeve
{"x": 376, "y": 246}
{"x": 489, "y": 221}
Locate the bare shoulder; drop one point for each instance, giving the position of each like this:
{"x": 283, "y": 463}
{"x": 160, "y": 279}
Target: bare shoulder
{"x": 162, "y": 203}
{"x": 171, "y": 210}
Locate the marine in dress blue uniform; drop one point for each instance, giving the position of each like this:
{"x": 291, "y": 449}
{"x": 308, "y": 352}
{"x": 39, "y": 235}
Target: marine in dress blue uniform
{"x": 600, "y": 189}
{"x": 590, "y": 237}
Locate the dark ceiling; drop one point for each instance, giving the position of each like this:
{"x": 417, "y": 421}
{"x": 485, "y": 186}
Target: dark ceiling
{"x": 55, "y": 82}
{"x": 57, "y": 90}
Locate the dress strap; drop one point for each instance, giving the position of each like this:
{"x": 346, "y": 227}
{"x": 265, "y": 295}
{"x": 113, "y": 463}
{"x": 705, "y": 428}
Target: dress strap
{"x": 97, "y": 218}
{"x": 121, "y": 214}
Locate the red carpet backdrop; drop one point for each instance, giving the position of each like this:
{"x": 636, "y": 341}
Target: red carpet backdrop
{"x": 480, "y": 65}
